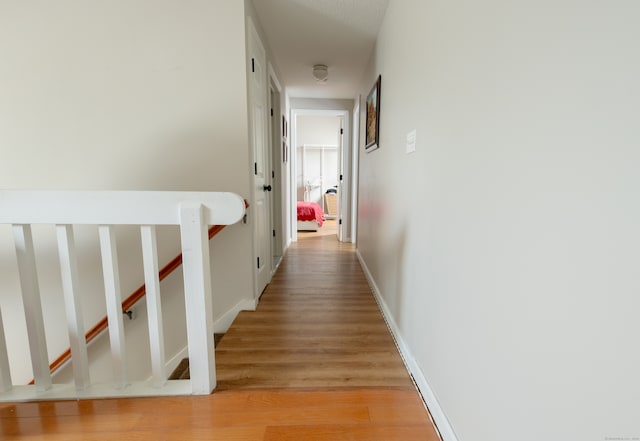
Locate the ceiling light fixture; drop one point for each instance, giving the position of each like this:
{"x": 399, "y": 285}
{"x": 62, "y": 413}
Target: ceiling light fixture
{"x": 321, "y": 73}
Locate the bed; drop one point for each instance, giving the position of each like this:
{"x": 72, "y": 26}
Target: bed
{"x": 310, "y": 216}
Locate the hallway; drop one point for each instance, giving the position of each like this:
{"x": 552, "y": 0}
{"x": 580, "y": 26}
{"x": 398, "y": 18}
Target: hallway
{"x": 315, "y": 361}
{"x": 317, "y": 325}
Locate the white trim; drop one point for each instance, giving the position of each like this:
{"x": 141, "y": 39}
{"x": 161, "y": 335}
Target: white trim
{"x": 274, "y": 77}
{"x": 276, "y": 265}
{"x": 279, "y": 194}
{"x": 433, "y": 405}
{"x": 114, "y": 207}
{"x": 219, "y": 326}
{"x": 355, "y": 168}
{"x": 223, "y": 323}
{"x": 69, "y": 391}
{"x": 173, "y": 363}
{"x": 347, "y": 182}
{"x": 293, "y": 177}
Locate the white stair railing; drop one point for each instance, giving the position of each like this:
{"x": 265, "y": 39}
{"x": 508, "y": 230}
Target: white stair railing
{"x": 193, "y": 212}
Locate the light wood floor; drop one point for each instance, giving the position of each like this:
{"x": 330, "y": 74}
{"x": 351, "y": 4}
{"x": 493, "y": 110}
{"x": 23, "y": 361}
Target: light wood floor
{"x": 314, "y": 362}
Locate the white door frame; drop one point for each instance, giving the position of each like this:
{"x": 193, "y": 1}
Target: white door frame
{"x": 278, "y": 193}
{"x": 346, "y": 159}
{"x": 355, "y": 158}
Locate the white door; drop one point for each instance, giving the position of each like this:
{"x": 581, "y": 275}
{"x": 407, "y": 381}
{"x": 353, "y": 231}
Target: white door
{"x": 261, "y": 177}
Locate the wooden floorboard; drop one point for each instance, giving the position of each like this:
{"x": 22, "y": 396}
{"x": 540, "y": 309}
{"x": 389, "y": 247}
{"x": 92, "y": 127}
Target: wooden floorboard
{"x": 339, "y": 413}
{"x": 314, "y": 362}
{"x": 317, "y": 325}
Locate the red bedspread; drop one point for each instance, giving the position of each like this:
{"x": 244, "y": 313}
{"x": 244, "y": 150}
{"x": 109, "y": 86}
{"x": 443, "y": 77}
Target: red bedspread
{"x": 309, "y": 211}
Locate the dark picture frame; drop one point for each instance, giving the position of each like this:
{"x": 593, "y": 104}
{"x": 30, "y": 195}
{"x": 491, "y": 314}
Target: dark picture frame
{"x": 372, "y": 121}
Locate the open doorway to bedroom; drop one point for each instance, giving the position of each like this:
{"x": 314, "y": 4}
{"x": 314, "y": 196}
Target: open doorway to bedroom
{"x": 318, "y": 155}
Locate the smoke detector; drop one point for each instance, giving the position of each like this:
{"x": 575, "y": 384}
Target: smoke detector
{"x": 320, "y": 73}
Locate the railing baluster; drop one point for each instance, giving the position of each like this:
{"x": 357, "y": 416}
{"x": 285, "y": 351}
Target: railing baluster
{"x": 32, "y": 305}
{"x": 192, "y": 211}
{"x": 73, "y": 305}
{"x": 198, "y": 301}
{"x": 5, "y": 373}
{"x": 114, "y": 303}
{"x": 154, "y": 307}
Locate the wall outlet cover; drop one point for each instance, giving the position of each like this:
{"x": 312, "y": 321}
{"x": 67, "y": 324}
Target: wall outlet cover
{"x": 411, "y": 141}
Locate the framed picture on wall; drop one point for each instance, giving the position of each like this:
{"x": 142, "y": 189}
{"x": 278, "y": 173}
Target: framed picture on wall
{"x": 372, "y": 127}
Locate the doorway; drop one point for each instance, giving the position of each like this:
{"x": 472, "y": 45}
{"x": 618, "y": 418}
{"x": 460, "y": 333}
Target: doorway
{"x": 320, "y": 166}
{"x": 317, "y": 161}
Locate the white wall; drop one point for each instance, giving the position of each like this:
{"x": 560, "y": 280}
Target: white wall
{"x": 125, "y": 95}
{"x": 321, "y": 104}
{"x": 318, "y": 130}
{"x": 506, "y": 247}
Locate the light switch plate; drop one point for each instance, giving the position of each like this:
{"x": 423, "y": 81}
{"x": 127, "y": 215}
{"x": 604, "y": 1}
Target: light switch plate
{"x": 411, "y": 141}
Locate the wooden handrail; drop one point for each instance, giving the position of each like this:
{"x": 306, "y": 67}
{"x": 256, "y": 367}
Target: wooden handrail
{"x": 130, "y": 301}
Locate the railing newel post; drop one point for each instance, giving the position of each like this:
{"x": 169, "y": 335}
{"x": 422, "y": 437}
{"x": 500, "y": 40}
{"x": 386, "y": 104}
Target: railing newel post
{"x": 198, "y": 300}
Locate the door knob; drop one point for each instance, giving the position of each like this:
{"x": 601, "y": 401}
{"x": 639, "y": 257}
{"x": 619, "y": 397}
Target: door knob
{"x": 266, "y": 187}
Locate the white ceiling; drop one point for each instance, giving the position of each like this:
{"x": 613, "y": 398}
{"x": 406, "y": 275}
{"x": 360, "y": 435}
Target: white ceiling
{"x": 338, "y": 33}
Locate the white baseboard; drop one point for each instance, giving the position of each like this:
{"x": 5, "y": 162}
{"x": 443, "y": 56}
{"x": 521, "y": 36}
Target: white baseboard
{"x": 219, "y": 326}
{"x": 174, "y": 361}
{"x": 438, "y": 415}
{"x": 223, "y": 323}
